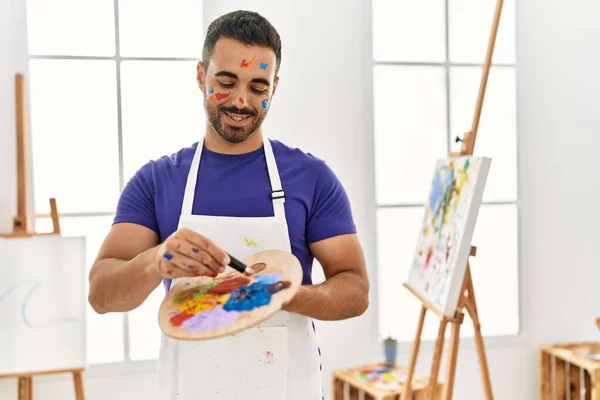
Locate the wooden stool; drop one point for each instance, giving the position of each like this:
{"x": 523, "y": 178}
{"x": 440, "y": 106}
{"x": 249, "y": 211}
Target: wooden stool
{"x": 354, "y": 384}
{"x": 570, "y": 368}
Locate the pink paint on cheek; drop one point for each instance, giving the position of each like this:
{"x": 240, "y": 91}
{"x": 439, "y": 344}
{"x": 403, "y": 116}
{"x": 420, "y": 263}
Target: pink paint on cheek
{"x": 241, "y": 100}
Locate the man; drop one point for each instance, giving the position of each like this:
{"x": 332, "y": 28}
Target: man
{"x": 236, "y": 192}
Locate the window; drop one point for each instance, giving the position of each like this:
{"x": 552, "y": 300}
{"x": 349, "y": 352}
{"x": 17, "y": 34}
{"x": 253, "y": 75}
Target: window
{"x": 112, "y": 85}
{"x": 428, "y": 58}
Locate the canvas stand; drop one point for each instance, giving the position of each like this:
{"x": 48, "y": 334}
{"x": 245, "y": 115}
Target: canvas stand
{"x": 22, "y": 228}
{"x": 467, "y": 294}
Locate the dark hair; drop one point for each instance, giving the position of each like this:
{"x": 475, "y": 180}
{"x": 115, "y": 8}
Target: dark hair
{"x": 246, "y": 27}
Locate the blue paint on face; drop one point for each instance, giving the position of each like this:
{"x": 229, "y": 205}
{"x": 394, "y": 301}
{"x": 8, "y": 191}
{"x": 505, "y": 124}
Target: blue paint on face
{"x": 211, "y": 91}
{"x": 263, "y": 65}
{"x": 265, "y": 104}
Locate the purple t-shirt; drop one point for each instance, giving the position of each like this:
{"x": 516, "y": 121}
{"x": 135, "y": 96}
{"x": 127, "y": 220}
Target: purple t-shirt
{"x": 316, "y": 204}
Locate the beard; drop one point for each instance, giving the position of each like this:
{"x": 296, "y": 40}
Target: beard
{"x": 230, "y": 133}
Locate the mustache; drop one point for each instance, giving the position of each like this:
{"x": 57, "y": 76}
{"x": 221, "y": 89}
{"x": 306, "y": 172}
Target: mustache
{"x": 234, "y": 110}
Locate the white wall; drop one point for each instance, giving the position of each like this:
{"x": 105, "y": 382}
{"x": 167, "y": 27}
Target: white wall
{"x": 558, "y": 138}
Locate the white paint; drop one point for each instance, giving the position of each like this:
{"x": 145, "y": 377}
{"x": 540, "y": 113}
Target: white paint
{"x": 326, "y": 63}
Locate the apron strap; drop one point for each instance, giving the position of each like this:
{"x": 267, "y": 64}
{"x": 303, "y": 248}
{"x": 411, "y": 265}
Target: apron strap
{"x": 190, "y": 187}
{"x": 277, "y": 193}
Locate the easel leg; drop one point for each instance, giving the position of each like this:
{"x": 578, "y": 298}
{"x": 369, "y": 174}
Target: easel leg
{"x": 78, "y": 383}
{"x": 483, "y": 364}
{"x": 437, "y": 360}
{"x": 25, "y": 388}
{"x": 452, "y": 361}
{"x": 413, "y": 357}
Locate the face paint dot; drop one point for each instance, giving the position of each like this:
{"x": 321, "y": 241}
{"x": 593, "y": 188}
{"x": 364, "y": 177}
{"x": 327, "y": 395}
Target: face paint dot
{"x": 263, "y": 65}
{"x": 168, "y": 256}
{"x": 265, "y": 104}
{"x": 241, "y": 100}
{"x": 212, "y": 90}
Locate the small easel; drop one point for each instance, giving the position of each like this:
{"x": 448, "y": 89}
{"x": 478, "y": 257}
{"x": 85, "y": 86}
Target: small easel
{"x": 467, "y": 297}
{"x": 22, "y": 228}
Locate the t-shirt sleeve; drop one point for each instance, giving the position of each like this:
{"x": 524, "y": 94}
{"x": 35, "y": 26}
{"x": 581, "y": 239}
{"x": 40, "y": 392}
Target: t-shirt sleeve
{"x": 331, "y": 213}
{"x": 136, "y": 203}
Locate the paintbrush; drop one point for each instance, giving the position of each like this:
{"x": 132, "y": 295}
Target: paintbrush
{"x": 240, "y": 266}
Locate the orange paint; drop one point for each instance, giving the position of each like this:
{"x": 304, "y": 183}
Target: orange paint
{"x": 246, "y": 64}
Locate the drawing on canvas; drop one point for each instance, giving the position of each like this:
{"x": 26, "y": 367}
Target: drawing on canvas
{"x": 444, "y": 240}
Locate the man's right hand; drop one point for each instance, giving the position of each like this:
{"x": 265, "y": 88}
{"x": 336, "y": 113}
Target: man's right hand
{"x": 186, "y": 253}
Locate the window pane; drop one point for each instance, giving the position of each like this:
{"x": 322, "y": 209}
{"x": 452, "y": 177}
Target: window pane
{"x": 160, "y": 28}
{"x": 74, "y": 135}
{"x": 495, "y": 271}
{"x": 470, "y": 24}
{"x": 71, "y": 27}
{"x": 144, "y": 332}
{"x": 104, "y": 331}
{"x": 410, "y": 130}
{"x": 160, "y": 118}
{"x": 397, "y": 234}
{"x": 496, "y": 136}
{"x": 406, "y": 30}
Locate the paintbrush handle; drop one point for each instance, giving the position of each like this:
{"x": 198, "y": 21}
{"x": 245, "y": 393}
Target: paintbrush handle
{"x": 237, "y": 264}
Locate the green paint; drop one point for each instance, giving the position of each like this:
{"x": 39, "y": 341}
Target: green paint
{"x": 250, "y": 243}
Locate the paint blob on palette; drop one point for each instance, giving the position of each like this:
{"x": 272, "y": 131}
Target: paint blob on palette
{"x": 206, "y": 307}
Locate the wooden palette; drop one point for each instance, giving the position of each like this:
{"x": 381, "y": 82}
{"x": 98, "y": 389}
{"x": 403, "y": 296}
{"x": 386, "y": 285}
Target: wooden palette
{"x": 202, "y": 308}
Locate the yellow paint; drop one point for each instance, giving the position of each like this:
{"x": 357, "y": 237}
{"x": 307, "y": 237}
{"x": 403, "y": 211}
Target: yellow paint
{"x": 250, "y": 243}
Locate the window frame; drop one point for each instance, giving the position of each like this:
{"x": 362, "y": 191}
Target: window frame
{"x": 22, "y": 62}
{"x": 492, "y": 340}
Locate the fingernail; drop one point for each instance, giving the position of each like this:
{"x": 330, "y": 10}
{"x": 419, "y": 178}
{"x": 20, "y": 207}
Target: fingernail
{"x": 168, "y": 256}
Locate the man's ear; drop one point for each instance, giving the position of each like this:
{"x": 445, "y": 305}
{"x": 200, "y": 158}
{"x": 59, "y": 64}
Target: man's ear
{"x": 200, "y": 76}
{"x": 275, "y": 82}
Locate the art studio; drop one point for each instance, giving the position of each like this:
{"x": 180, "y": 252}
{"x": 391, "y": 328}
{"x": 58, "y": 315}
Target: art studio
{"x": 299, "y": 200}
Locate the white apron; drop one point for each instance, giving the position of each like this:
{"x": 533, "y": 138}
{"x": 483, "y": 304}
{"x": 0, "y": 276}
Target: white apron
{"x": 277, "y": 360}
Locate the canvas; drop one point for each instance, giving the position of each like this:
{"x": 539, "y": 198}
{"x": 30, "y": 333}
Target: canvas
{"x": 444, "y": 240}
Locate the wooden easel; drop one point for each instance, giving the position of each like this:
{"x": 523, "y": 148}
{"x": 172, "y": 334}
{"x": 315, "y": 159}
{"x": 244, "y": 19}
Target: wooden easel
{"x": 22, "y": 228}
{"x": 467, "y": 298}
{"x": 21, "y": 222}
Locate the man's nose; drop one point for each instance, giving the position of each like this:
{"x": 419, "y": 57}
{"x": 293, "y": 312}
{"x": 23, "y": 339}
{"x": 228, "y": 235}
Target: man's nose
{"x": 240, "y": 101}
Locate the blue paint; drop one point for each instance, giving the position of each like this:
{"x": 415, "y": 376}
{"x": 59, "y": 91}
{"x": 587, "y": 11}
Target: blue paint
{"x": 267, "y": 279}
{"x": 263, "y": 65}
{"x": 212, "y": 90}
{"x": 195, "y": 250}
{"x": 265, "y": 104}
{"x": 248, "y": 298}
{"x": 34, "y": 285}
{"x": 168, "y": 256}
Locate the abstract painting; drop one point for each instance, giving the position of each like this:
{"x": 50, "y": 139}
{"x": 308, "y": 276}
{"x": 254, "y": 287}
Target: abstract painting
{"x": 206, "y": 307}
{"x": 444, "y": 240}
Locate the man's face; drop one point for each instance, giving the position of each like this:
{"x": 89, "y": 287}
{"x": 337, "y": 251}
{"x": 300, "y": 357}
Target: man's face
{"x": 238, "y": 87}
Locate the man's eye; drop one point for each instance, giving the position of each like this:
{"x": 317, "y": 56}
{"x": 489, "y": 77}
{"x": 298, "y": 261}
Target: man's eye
{"x": 227, "y": 85}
